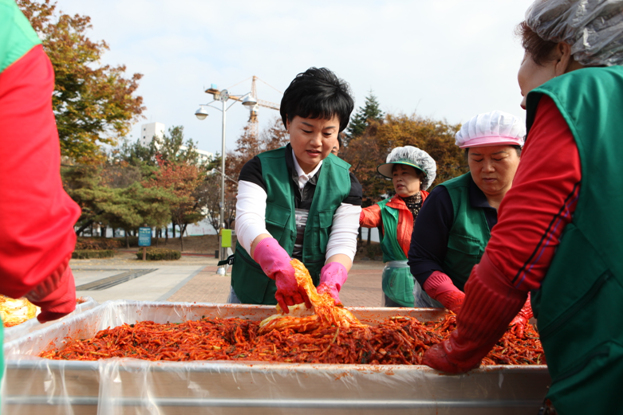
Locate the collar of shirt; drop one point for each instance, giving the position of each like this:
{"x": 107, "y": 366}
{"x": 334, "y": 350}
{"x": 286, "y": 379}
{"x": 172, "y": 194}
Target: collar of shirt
{"x": 303, "y": 178}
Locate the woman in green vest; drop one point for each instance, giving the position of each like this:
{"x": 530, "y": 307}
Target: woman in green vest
{"x": 298, "y": 201}
{"x": 412, "y": 171}
{"x": 455, "y": 225}
{"x": 560, "y": 231}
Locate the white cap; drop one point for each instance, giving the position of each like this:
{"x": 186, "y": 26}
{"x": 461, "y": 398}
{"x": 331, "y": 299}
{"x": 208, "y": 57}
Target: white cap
{"x": 493, "y": 128}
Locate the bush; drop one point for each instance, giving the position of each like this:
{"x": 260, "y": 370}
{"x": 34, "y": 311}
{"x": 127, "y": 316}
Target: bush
{"x": 158, "y": 254}
{"x": 97, "y": 243}
{"x": 90, "y": 253}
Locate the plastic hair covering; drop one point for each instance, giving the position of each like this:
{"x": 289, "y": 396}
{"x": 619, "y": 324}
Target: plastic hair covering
{"x": 593, "y": 28}
{"x": 419, "y": 157}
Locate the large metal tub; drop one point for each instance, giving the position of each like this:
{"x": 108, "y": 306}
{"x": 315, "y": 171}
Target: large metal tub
{"x": 130, "y": 386}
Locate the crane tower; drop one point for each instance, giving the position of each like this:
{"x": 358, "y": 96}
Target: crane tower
{"x": 253, "y": 122}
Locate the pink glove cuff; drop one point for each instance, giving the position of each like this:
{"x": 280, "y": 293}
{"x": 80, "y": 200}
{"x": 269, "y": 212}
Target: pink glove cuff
{"x": 333, "y": 273}
{"x": 271, "y": 257}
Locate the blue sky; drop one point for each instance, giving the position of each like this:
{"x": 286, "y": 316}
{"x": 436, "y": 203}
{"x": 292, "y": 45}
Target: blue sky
{"x": 445, "y": 59}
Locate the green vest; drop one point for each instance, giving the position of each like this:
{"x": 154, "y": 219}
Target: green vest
{"x": 16, "y": 35}
{"x": 580, "y": 303}
{"x": 248, "y": 280}
{"x": 469, "y": 234}
{"x": 397, "y": 280}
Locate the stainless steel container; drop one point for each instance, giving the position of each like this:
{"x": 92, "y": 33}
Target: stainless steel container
{"x": 130, "y": 386}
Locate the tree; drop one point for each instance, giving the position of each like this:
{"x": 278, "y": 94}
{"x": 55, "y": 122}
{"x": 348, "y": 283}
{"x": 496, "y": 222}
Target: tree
{"x": 370, "y": 112}
{"x": 183, "y": 180}
{"x": 93, "y": 104}
{"x": 369, "y": 150}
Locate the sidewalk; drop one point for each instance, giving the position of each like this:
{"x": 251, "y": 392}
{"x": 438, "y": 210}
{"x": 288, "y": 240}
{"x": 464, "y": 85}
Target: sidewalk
{"x": 363, "y": 287}
{"x": 193, "y": 278}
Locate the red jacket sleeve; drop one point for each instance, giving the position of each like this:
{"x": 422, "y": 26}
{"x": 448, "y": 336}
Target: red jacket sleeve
{"x": 541, "y": 202}
{"x": 370, "y": 217}
{"x": 36, "y": 215}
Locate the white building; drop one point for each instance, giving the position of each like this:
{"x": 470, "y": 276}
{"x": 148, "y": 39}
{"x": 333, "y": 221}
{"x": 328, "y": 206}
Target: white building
{"x": 204, "y": 156}
{"x": 151, "y": 130}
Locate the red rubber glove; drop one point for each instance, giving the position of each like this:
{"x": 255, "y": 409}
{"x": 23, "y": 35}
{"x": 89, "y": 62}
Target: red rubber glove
{"x": 332, "y": 276}
{"x": 518, "y": 325}
{"x": 490, "y": 304}
{"x": 56, "y": 295}
{"x": 275, "y": 263}
{"x": 440, "y": 287}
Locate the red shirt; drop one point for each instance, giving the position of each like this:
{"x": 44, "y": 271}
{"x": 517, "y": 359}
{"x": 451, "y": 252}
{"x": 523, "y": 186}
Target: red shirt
{"x": 36, "y": 215}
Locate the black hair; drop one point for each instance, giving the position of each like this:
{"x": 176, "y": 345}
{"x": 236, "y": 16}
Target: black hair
{"x": 317, "y": 93}
{"x": 339, "y": 141}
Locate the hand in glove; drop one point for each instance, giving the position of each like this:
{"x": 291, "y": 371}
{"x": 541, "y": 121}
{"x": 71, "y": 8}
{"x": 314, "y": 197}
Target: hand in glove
{"x": 490, "y": 304}
{"x": 56, "y": 295}
{"x": 518, "y": 325}
{"x": 440, "y": 287}
{"x": 275, "y": 263}
{"x": 332, "y": 276}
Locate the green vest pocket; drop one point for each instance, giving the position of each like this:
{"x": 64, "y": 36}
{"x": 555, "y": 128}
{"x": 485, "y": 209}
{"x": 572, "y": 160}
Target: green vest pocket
{"x": 463, "y": 253}
{"x": 592, "y": 385}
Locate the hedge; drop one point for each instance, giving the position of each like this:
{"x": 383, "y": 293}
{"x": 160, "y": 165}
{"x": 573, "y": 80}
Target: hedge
{"x": 158, "y": 254}
{"x": 91, "y": 253}
{"x": 97, "y": 243}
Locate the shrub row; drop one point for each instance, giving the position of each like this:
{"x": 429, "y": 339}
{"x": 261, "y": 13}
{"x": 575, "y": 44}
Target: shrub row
{"x": 90, "y": 253}
{"x": 98, "y": 243}
{"x": 158, "y": 254}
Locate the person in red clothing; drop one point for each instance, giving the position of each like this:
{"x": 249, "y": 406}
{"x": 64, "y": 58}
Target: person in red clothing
{"x": 412, "y": 171}
{"x": 36, "y": 215}
{"x": 560, "y": 232}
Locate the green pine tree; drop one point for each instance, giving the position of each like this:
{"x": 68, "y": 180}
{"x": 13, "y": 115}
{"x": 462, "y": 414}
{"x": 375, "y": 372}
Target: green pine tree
{"x": 361, "y": 120}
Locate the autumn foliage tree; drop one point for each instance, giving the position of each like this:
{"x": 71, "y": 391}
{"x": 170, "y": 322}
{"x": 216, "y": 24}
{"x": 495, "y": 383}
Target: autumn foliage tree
{"x": 182, "y": 180}
{"x": 94, "y": 104}
{"x": 366, "y": 152}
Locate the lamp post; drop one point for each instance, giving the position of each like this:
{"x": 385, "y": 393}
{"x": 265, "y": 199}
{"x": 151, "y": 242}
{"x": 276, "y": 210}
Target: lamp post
{"x": 223, "y": 96}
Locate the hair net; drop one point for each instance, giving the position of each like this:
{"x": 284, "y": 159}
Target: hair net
{"x": 414, "y": 157}
{"x": 493, "y": 128}
{"x": 593, "y": 28}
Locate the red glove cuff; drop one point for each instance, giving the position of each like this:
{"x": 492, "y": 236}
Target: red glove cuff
{"x": 60, "y": 301}
{"x": 440, "y": 287}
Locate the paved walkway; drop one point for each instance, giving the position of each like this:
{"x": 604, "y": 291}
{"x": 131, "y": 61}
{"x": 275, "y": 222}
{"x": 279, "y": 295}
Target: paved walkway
{"x": 363, "y": 287}
{"x": 193, "y": 278}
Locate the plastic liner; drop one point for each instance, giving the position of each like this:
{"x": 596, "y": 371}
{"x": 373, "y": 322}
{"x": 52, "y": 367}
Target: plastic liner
{"x": 33, "y": 325}
{"x": 131, "y": 386}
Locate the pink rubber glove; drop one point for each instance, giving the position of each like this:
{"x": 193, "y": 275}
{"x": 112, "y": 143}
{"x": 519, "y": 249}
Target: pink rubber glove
{"x": 56, "y": 295}
{"x": 491, "y": 302}
{"x": 332, "y": 276}
{"x": 518, "y": 325}
{"x": 275, "y": 263}
{"x": 440, "y": 287}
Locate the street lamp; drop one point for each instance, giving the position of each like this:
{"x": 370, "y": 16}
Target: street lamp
{"x": 223, "y": 96}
